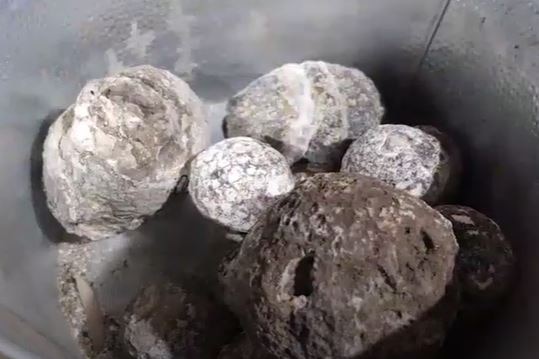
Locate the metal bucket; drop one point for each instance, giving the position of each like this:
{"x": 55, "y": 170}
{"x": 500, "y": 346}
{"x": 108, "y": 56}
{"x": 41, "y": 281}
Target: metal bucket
{"x": 467, "y": 66}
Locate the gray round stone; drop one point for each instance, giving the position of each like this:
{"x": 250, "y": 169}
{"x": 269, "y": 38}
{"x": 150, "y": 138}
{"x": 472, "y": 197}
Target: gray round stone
{"x": 306, "y": 111}
{"x": 485, "y": 263}
{"x": 167, "y": 321}
{"x": 404, "y": 157}
{"x": 235, "y": 181}
{"x": 114, "y": 156}
{"x": 345, "y": 267}
{"x": 450, "y": 176}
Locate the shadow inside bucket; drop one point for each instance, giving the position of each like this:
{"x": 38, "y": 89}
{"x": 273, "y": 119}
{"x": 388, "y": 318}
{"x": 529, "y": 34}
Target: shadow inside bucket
{"x": 50, "y": 227}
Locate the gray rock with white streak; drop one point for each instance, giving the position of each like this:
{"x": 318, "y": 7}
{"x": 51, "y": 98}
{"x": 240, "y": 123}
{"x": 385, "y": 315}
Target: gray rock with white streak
{"x": 235, "y": 181}
{"x": 405, "y": 157}
{"x": 306, "y": 111}
{"x": 115, "y": 155}
{"x": 345, "y": 267}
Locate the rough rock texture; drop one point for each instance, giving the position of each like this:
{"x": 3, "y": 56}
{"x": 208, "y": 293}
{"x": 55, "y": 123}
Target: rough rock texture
{"x": 95, "y": 333}
{"x": 234, "y": 181}
{"x": 243, "y": 348}
{"x": 485, "y": 263}
{"x": 345, "y": 267}
{"x": 167, "y": 321}
{"x": 405, "y": 157}
{"x": 114, "y": 156}
{"x": 451, "y": 158}
{"x": 306, "y": 111}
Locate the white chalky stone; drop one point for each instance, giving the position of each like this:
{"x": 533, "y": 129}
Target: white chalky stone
{"x": 234, "y": 181}
{"x": 116, "y": 154}
{"x": 306, "y": 111}
{"x": 405, "y": 157}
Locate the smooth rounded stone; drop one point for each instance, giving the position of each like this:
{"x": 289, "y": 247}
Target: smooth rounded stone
{"x": 404, "y": 157}
{"x": 309, "y": 111}
{"x": 234, "y": 181}
{"x": 167, "y": 321}
{"x": 485, "y": 263}
{"x": 114, "y": 156}
{"x": 345, "y": 267}
{"x": 452, "y": 155}
{"x": 243, "y": 348}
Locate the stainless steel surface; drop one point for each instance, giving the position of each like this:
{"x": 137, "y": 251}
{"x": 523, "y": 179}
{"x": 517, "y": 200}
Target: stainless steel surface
{"x": 478, "y": 80}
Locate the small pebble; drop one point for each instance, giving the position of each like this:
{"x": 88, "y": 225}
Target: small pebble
{"x": 235, "y": 181}
{"x": 167, "y": 321}
{"x": 485, "y": 263}
{"x": 308, "y": 111}
{"x": 404, "y": 157}
{"x": 345, "y": 267}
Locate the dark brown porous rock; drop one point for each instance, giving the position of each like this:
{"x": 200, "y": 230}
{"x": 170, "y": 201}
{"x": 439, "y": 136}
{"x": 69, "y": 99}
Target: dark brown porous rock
{"x": 485, "y": 262}
{"x": 345, "y": 267}
{"x": 167, "y": 321}
{"x": 243, "y": 348}
{"x": 451, "y": 159}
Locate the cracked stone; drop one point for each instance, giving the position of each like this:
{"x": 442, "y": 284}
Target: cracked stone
{"x": 115, "y": 155}
{"x": 234, "y": 181}
{"x": 309, "y": 111}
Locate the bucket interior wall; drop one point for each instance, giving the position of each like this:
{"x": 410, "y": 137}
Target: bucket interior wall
{"x": 467, "y": 66}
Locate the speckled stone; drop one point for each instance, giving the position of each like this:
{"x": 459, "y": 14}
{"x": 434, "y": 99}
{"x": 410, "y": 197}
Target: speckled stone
{"x": 243, "y": 348}
{"x": 485, "y": 263}
{"x": 235, "y": 181}
{"x": 167, "y": 321}
{"x": 114, "y": 157}
{"x": 407, "y": 158}
{"x": 451, "y": 175}
{"x": 345, "y": 267}
{"x": 306, "y": 111}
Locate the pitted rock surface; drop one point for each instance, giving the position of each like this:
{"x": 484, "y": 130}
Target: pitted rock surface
{"x": 113, "y": 157}
{"x": 485, "y": 263}
{"x": 306, "y": 111}
{"x": 167, "y": 321}
{"x": 235, "y": 181}
{"x": 341, "y": 267}
{"x": 405, "y": 157}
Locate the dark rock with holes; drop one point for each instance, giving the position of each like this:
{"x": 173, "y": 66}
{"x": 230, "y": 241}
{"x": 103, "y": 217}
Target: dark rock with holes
{"x": 485, "y": 263}
{"x": 234, "y": 181}
{"x": 345, "y": 267}
{"x": 167, "y": 321}
{"x": 114, "y": 156}
{"x": 452, "y": 162}
{"x": 243, "y": 348}
{"x": 305, "y": 170}
{"x": 309, "y": 111}
{"x": 405, "y": 157}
